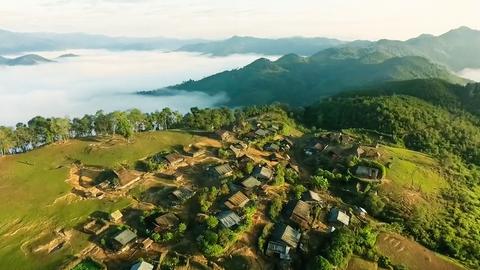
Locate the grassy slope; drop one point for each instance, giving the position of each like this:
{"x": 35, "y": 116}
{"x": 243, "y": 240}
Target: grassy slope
{"x": 28, "y": 193}
{"x": 409, "y": 167}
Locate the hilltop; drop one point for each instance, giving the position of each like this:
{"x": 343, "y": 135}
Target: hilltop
{"x": 264, "y": 46}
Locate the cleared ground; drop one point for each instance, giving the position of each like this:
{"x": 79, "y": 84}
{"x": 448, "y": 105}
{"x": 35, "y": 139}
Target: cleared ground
{"x": 37, "y": 210}
{"x": 411, "y": 254}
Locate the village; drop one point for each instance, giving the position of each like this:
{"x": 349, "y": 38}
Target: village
{"x": 248, "y": 190}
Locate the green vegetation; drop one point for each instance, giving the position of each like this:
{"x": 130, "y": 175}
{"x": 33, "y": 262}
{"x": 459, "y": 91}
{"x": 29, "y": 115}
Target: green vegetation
{"x": 36, "y": 200}
{"x": 87, "y": 264}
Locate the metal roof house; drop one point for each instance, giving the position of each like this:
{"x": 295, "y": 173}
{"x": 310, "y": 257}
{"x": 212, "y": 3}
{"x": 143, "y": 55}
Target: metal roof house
{"x": 122, "y": 239}
{"x": 237, "y": 200}
{"x": 142, "y": 265}
{"x": 261, "y": 172}
{"x": 338, "y": 217}
{"x": 287, "y": 235}
{"x": 228, "y": 219}
{"x": 251, "y": 182}
{"x": 223, "y": 170}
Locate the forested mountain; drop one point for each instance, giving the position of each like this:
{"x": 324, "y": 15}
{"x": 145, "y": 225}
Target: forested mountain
{"x": 426, "y": 115}
{"x": 456, "y": 49}
{"x": 25, "y": 60}
{"x": 300, "y": 80}
{"x": 281, "y": 46}
{"x": 15, "y": 42}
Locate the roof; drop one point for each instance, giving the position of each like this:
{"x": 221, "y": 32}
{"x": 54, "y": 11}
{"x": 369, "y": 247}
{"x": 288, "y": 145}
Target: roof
{"x": 301, "y": 213}
{"x": 221, "y": 133}
{"x": 116, "y": 215}
{"x": 142, "y": 266}
{"x": 251, "y": 182}
{"x": 183, "y": 193}
{"x": 262, "y": 172}
{"x": 272, "y": 146}
{"x": 277, "y": 247}
{"x": 228, "y": 219}
{"x": 287, "y": 235}
{"x": 311, "y": 196}
{"x": 223, "y": 169}
{"x": 237, "y": 200}
{"x": 261, "y": 132}
{"x": 287, "y": 141}
{"x": 174, "y": 158}
{"x": 369, "y": 172}
{"x": 338, "y": 216}
{"x": 125, "y": 237}
{"x": 126, "y": 177}
{"x": 236, "y": 151}
{"x": 167, "y": 220}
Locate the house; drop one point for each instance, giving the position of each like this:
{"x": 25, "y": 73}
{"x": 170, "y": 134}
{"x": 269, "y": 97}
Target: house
{"x": 367, "y": 172}
{"x": 272, "y": 147}
{"x": 228, "y": 219}
{"x": 125, "y": 178}
{"x": 223, "y": 135}
{"x": 142, "y": 265}
{"x": 338, "y": 217}
{"x": 174, "y": 159}
{"x": 237, "y": 200}
{"x": 177, "y": 176}
{"x": 360, "y": 211}
{"x": 356, "y": 151}
{"x": 123, "y": 239}
{"x": 146, "y": 243}
{"x": 262, "y": 172}
{"x": 275, "y": 157}
{"x": 286, "y": 142}
{"x": 301, "y": 214}
{"x": 116, "y": 216}
{"x": 237, "y": 151}
{"x": 280, "y": 249}
{"x": 315, "y": 147}
{"x": 287, "y": 235}
{"x": 166, "y": 222}
{"x": 311, "y": 196}
{"x": 183, "y": 194}
{"x": 261, "y": 132}
{"x": 95, "y": 226}
{"x": 223, "y": 170}
{"x": 251, "y": 182}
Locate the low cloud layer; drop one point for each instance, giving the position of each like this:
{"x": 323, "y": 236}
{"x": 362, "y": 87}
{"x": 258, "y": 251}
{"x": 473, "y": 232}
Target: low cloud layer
{"x": 105, "y": 80}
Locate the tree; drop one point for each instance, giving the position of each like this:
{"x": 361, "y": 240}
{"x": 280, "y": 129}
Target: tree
{"x": 319, "y": 182}
{"x": 212, "y": 222}
{"x": 7, "y": 139}
{"x": 298, "y": 190}
{"x": 60, "y": 128}
{"x": 321, "y": 263}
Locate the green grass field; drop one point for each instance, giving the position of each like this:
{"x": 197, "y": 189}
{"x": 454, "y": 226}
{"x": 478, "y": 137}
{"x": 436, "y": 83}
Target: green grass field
{"x": 35, "y": 200}
{"x": 414, "y": 170}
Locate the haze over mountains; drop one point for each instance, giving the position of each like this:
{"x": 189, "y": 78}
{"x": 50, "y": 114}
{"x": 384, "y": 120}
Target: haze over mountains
{"x": 25, "y": 60}
{"x": 300, "y": 80}
{"x": 14, "y": 42}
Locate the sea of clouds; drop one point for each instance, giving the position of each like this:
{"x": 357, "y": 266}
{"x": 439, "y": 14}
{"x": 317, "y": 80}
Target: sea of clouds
{"x": 106, "y": 80}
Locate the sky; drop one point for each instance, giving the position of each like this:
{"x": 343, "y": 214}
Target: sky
{"x": 217, "y": 19}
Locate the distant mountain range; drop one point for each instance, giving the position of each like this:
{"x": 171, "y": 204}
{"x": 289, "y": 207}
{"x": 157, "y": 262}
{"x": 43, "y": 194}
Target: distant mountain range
{"x": 15, "y": 42}
{"x": 300, "y": 80}
{"x": 25, "y": 60}
{"x": 281, "y": 46}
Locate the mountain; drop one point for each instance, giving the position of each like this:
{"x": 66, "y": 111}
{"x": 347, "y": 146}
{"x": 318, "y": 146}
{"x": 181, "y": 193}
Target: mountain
{"x": 68, "y": 55}
{"x": 237, "y": 45}
{"x": 456, "y": 49}
{"x": 300, "y": 80}
{"x": 25, "y": 60}
{"x": 15, "y": 42}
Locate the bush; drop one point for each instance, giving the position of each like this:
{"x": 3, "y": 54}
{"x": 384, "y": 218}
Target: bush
{"x": 275, "y": 208}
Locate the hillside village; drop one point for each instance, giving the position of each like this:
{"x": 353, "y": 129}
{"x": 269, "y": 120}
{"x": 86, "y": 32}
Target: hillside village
{"x": 242, "y": 191}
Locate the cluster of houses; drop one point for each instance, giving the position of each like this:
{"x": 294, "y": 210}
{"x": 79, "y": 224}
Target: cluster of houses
{"x": 287, "y": 233}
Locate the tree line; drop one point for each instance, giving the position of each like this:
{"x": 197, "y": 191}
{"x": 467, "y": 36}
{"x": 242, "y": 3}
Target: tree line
{"x": 41, "y": 131}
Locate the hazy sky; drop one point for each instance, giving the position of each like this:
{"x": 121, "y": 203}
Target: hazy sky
{"x": 347, "y": 19}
